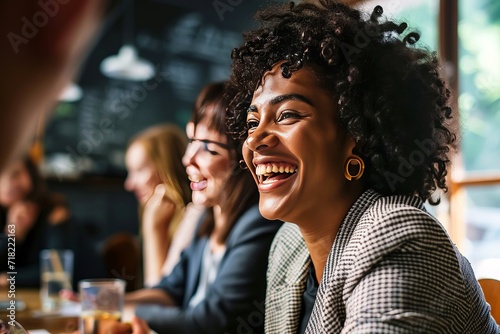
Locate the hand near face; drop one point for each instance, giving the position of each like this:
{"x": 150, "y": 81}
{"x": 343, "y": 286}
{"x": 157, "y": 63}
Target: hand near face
{"x": 159, "y": 209}
{"x": 23, "y": 215}
{"x": 157, "y": 215}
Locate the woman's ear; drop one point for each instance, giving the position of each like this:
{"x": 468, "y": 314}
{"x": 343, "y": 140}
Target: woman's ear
{"x": 354, "y": 165}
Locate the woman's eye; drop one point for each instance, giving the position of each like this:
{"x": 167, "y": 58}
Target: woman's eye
{"x": 213, "y": 152}
{"x": 288, "y": 114}
{"x": 252, "y": 124}
{"x": 206, "y": 148}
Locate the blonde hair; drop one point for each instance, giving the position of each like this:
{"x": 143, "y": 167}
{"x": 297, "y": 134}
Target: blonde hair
{"x": 165, "y": 145}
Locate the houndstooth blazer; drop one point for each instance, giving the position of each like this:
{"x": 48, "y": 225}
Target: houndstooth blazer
{"x": 391, "y": 269}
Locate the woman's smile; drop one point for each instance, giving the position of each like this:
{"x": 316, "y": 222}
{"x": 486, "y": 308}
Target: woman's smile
{"x": 274, "y": 171}
{"x": 197, "y": 183}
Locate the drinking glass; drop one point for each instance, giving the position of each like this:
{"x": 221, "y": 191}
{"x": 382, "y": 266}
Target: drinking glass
{"x": 56, "y": 274}
{"x": 102, "y": 304}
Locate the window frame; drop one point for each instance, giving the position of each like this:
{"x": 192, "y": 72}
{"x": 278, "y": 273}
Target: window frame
{"x": 459, "y": 178}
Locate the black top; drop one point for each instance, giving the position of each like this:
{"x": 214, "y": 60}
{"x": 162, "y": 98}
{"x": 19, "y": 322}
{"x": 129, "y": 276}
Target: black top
{"x": 308, "y": 299}
{"x": 43, "y": 235}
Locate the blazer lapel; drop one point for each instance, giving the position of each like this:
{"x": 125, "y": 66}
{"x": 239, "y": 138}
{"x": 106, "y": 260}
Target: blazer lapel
{"x": 328, "y": 314}
{"x": 285, "y": 288}
{"x": 194, "y": 270}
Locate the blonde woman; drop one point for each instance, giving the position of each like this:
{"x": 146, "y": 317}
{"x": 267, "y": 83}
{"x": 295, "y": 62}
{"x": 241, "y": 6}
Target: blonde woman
{"x": 159, "y": 181}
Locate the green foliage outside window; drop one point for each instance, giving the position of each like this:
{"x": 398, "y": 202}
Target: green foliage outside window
{"x": 479, "y": 99}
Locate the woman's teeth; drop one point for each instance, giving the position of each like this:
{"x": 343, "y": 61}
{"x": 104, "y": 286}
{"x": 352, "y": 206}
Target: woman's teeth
{"x": 269, "y": 169}
{"x": 265, "y": 171}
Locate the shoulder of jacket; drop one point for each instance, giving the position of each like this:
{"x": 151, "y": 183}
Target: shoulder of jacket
{"x": 252, "y": 224}
{"x": 399, "y": 219}
{"x": 399, "y": 209}
{"x": 288, "y": 257}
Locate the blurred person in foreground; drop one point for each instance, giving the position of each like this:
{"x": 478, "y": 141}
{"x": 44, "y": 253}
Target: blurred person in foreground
{"x": 37, "y": 64}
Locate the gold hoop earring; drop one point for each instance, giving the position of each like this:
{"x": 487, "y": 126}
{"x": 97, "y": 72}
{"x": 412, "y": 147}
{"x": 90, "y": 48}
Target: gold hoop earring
{"x": 242, "y": 164}
{"x": 354, "y": 160}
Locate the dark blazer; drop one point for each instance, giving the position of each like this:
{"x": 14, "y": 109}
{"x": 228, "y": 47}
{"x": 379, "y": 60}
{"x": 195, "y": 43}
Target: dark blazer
{"x": 391, "y": 269}
{"x": 235, "y": 301}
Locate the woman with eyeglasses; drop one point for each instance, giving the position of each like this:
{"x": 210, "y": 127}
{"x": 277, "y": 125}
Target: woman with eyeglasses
{"x": 219, "y": 284}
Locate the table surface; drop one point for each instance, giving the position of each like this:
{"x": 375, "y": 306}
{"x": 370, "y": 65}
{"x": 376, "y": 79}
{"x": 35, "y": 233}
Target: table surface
{"x": 55, "y": 324}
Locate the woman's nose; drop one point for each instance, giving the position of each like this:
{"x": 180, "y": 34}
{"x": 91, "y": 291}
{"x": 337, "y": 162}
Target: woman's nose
{"x": 261, "y": 138}
{"x": 128, "y": 183}
{"x": 188, "y": 155}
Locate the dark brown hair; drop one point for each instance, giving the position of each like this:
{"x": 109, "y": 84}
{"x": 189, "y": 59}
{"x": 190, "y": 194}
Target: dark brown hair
{"x": 39, "y": 193}
{"x": 242, "y": 193}
{"x": 391, "y": 98}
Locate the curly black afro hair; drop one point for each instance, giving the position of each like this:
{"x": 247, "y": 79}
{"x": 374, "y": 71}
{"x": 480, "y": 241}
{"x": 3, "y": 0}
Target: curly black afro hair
{"x": 391, "y": 99}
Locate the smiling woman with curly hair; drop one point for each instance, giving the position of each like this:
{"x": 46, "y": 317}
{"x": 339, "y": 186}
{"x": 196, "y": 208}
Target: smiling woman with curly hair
{"x": 347, "y": 133}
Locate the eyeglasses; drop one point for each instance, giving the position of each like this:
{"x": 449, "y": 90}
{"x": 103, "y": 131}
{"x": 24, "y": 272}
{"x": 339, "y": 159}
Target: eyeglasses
{"x": 204, "y": 143}
{"x": 208, "y": 141}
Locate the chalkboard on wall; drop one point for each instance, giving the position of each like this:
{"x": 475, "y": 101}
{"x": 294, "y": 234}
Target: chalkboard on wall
{"x": 188, "y": 42}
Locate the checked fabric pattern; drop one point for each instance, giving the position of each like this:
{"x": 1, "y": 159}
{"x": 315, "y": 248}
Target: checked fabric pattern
{"x": 391, "y": 269}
